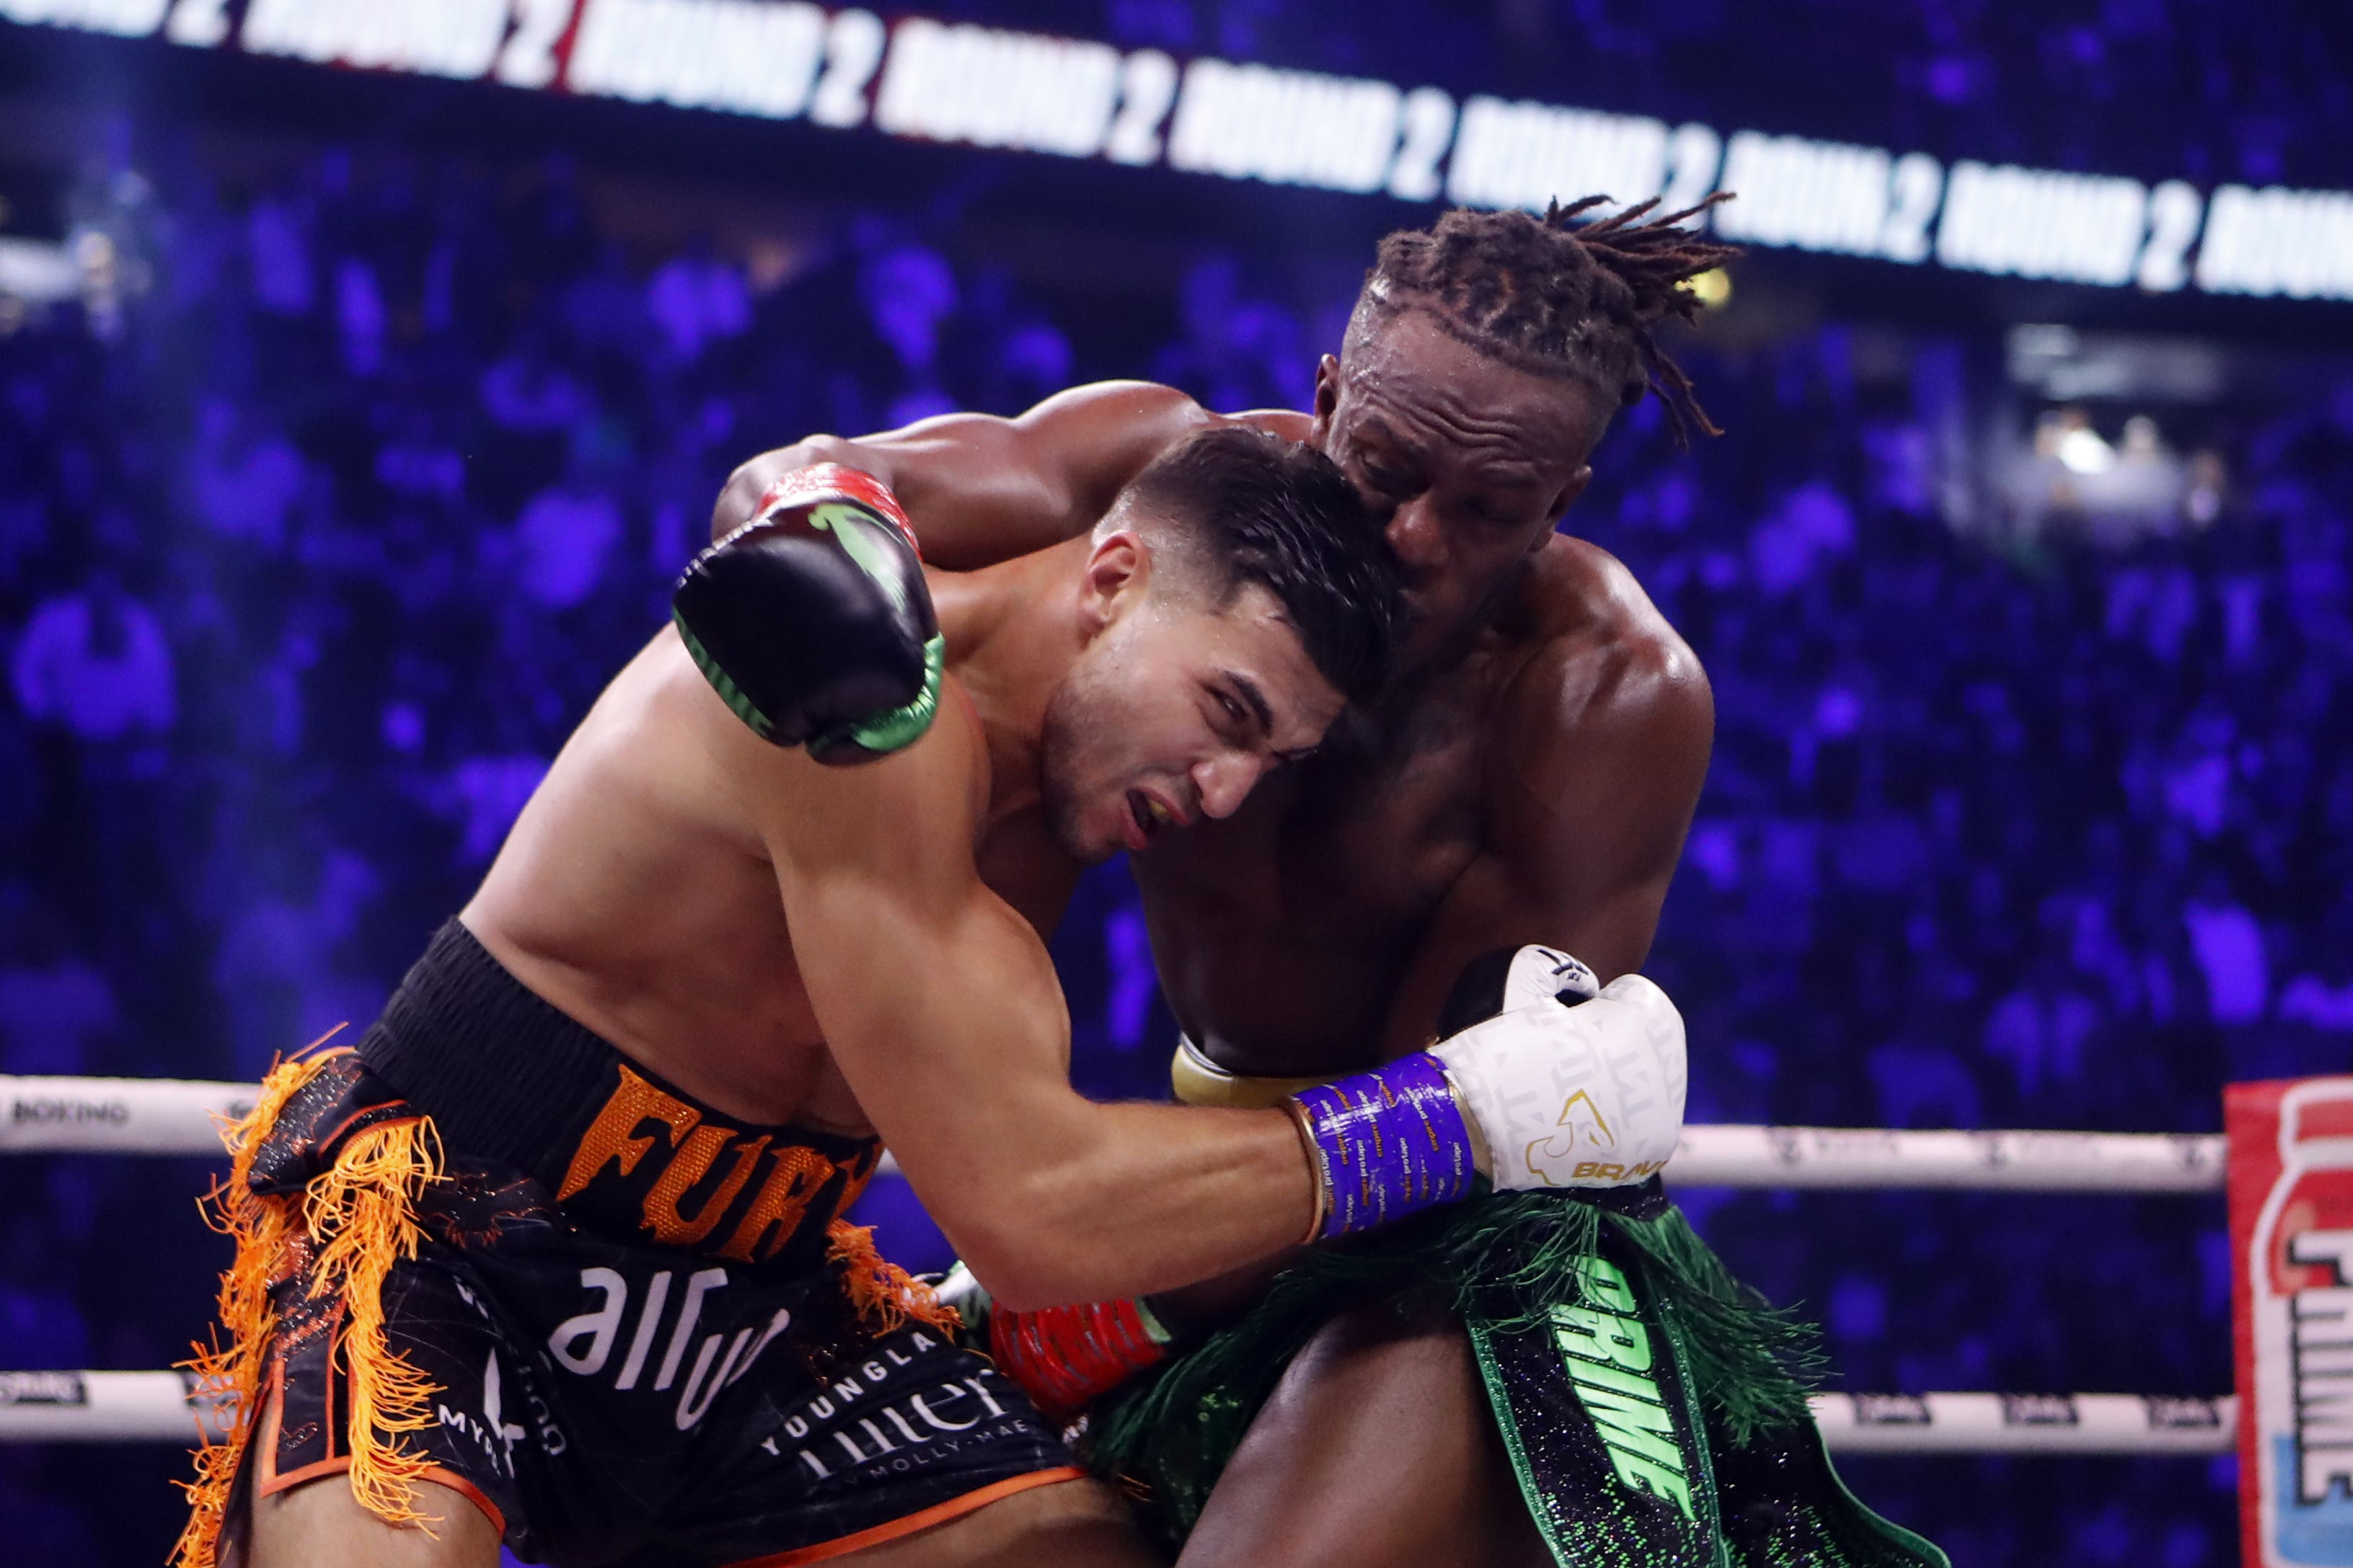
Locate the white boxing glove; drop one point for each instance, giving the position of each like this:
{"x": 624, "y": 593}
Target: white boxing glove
{"x": 1571, "y": 1087}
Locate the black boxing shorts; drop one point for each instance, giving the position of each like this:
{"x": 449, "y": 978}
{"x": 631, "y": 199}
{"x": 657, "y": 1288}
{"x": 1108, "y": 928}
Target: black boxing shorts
{"x": 484, "y": 1249}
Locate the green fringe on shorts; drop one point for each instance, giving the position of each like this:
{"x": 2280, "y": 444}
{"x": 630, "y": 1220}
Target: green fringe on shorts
{"x": 1504, "y": 1259}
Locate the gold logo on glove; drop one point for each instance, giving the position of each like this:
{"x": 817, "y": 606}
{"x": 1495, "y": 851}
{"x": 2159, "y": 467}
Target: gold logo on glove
{"x": 1591, "y": 1131}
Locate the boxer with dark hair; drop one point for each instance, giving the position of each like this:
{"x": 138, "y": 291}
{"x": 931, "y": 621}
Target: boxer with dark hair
{"x": 554, "y": 1255}
{"x": 1430, "y": 1397}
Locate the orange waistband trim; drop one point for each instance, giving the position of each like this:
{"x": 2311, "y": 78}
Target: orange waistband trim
{"x": 938, "y": 1513}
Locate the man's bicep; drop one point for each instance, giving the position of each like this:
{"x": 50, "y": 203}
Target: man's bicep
{"x": 937, "y": 1000}
{"x": 1584, "y": 828}
{"x": 1608, "y": 920}
{"x": 977, "y": 487}
{"x": 1494, "y": 905}
{"x": 965, "y": 480}
{"x": 1589, "y": 813}
{"x": 926, "y": 994}
{"x": 980, "y": 489}
{"x": 1093, "y": 439}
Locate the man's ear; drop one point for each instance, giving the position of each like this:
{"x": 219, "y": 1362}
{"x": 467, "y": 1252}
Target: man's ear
{"x": 1328, "y": 398}
{"x": 1119, "y": 570}
{"x": 1567, "y": 496}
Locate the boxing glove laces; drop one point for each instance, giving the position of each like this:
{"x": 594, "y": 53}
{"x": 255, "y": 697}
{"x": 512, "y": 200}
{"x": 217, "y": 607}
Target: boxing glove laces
{"x": 812, "y": 620}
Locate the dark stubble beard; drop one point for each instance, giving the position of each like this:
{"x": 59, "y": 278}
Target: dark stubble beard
{"x": 1070, "y": 715}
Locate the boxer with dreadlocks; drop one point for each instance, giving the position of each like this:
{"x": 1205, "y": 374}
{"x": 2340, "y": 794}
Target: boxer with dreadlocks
{"x": 1533, "y": 1376}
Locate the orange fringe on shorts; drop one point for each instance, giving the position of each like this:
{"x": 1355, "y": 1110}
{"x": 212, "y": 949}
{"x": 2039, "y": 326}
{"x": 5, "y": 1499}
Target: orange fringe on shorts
{"x": 885, "y": 1295}
{"x": 359, "y": 1217}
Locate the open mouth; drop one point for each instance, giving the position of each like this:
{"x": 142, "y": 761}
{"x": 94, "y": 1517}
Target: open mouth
{"x": 1148, "y": 814}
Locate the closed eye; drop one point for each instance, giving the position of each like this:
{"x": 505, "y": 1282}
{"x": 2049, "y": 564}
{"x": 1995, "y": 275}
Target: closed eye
{"x": 1244, "y": 705}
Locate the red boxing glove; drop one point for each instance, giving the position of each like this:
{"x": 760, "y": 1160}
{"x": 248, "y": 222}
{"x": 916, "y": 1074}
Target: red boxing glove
{"x": 1065, "y": 1358}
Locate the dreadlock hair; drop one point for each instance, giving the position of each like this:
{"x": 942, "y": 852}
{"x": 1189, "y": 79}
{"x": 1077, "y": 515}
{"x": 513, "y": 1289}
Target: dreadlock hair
{"x": 1557, "y": 300}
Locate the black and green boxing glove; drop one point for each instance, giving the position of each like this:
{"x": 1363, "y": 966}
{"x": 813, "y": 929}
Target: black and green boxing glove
{"x": 812, "y": 620}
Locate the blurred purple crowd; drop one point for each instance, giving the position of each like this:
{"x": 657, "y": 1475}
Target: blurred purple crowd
{"x": 324, "y": 520}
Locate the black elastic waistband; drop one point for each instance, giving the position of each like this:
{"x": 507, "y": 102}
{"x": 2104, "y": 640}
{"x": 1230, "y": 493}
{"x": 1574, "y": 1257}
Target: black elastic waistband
{"x": 504, "y": 1074}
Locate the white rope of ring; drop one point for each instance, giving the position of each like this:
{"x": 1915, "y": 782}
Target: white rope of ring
{"x": 118, "y": 1115}
{"x": 177, "y": 1116}
{"x": 2026, "y": 1424}
{"x": 166, "y": 1406}
{"x": 1877, "y": 1157}
{"x": 109, "y": 1407}
{"x": 169, "y": 1116}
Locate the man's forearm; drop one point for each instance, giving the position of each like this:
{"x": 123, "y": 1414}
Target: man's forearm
{"x": 982, "y": 488}
{"x": 1127, "y": 1199}
{"x": 972, "y": 485}
{"x": 741, "y": 495}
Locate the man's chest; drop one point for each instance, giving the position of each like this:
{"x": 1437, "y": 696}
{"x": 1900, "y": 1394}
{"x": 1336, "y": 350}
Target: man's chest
{"x": 1294, "y": 920}
{"x": 1362, "y": 845}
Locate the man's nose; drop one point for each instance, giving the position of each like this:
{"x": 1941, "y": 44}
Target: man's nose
{"x": 1414, "y": 535}
{"x": 1224, "y": 780}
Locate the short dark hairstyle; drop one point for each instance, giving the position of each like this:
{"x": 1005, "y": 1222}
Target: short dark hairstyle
{"x": 1255, "y": 508}
{"x": 1553, "y": 300}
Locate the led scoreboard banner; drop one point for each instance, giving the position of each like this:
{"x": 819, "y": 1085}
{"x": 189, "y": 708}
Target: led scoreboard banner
{"x": 927, "y": 80}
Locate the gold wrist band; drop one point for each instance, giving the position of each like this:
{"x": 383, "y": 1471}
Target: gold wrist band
{"x": 1482, "y": 1159}
{"x": 1300, "y": 1119}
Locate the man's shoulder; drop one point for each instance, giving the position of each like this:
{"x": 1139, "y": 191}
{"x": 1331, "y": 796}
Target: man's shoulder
{"x": 1288, "y": 423}
{"x": 1159, "y": 411}
{"x": 1600, "y": 653}
{"x": 1133, "y": 399}
{"x": 935, "y": 789}
{"x": 1118, "y": 412}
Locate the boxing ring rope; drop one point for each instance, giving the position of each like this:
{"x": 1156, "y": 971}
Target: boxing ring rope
{"x": 118, "y": 1115}
{"x": 108, "y": 1407}
{"x": 140, "y": 1406}
{"x": 2024, "y": 1424}
{"x": 184, "y": 1117}
{"x": 180, "y": 1116}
